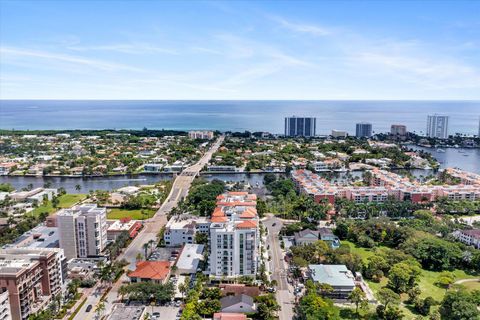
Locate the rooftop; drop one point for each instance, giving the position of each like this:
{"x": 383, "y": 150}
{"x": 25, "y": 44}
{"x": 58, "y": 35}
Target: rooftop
{"x": 229, "y": 316}
{"x": 333, "y": 274}
{"x": 154, "y": 270}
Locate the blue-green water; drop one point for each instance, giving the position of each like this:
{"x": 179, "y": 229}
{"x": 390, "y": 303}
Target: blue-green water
{"x": 232, "y": 115}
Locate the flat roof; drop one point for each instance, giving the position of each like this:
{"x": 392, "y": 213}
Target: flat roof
{"x": 190, "y": 257}
{"x": 332, "y": 274}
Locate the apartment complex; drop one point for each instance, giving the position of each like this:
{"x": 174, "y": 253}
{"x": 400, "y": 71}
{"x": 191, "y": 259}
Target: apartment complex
{"x": 181, "y": 229}
{"x": 384, "y": 184}
{"x": 29, "y": 279}
{"x": 363, "y": 130}
{"x": 469, "y": 237}
{"x": 300, "y": 126}
{"x": 82, "y": 230}
{"x": 437, "y": 126}
{"x": 206, "y": 135}
{"x": 234, "y": 236}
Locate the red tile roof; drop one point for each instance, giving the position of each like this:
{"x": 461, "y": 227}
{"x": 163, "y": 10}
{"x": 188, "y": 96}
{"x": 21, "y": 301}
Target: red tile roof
{"x": 219, "y": 219}
{"x": 247, "y": 224}
{"x": 218, "y": 212}
{"x": 249, "y": 213}
{"x": 155, "y": 270}
{"x": 229, "y": 316}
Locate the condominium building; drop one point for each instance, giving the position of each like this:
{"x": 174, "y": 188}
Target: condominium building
{"x": 384, "y": 184}
{"x": 29, "y": 280}
{"x": 437, "y": 126}
{"x": 469, "y": 237}
{"x": 182, "y": 229}
{"x": 363, "y": 130}
{"x": 339, "y": 134}
{"x": 83, "y": 230}
{"x": 234, "y": 236}
{"x": 5, "y": 313}
{"x": 398, "y": 130}
{"x": 300, "y": 126}
{"x": 206, "y": 135}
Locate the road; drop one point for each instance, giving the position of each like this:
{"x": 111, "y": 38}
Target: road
{"x": 152, "y": 226}
{"x": 278, "y": 266}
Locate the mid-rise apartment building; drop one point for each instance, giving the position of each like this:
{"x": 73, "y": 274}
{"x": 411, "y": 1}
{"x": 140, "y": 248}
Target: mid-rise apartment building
{"x": 437, "y": 126}
{"x": 82, "y": 230}
{"x": 384, "y": 184}
{"x": 182, "y": 229}
{"x": 31, "y": 278}
{"x": 234, "y": 236}
{"x": 5, "y": 313}
{"x": 206, "y": 135}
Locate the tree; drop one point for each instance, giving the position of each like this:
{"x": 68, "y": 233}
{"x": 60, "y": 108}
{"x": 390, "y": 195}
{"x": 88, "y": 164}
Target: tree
{"x": 359, "y": 298}
{"x": 208, "y": 307}
{"x": 459, "y": 305}
{"x": 267, "y": 307}
{"x": 403, "y": 276}
{"x": 55, "y": 202}
{"x": 314, "y": 307}
{"x": 78, "y": 187}
{"x": 388, "y": 297}
{"x": 445, "y": 279}
{"x": 423, "y": 306}
{"x": 100, "y": 308}
{"x": 145, "y": 249}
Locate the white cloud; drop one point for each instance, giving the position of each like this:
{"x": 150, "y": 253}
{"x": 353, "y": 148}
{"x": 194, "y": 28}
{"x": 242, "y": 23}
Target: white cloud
{"x": 130, "y": 48}
{"x": 311, "y": 29}
{"x": 18, "y": 53}
{"x": 420, "y": 67}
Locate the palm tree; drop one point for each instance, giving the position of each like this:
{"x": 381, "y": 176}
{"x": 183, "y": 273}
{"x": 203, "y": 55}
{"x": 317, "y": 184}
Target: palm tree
{"x": 145, "y": 248}
{"x": 100, "y": 308}
{"x": 78, "y": 187}
{"x": 152, "y": 243}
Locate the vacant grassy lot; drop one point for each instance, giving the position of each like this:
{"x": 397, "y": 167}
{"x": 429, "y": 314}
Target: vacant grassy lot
{"x": 118, "y": 213}
{"x": 65, "y": 201}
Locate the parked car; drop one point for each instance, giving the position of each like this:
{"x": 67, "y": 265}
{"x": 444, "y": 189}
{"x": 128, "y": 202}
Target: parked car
{"x": 89, "y": 308}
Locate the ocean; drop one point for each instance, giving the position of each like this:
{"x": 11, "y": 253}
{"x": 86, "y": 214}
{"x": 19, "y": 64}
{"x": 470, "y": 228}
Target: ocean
{"x": 232, "y": 115}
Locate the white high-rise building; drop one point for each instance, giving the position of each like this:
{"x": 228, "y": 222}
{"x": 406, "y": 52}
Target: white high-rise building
{"x": 82, "y": 230}
{"x": 437, "y": 126}
{"x": 234, "y": 236}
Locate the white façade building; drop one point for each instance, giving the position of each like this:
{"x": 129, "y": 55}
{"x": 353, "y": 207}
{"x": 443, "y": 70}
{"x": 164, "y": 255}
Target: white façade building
{"x": 182, "y": 229}
{"x": 82, "y": 230}
{"x": 234, "y": 236}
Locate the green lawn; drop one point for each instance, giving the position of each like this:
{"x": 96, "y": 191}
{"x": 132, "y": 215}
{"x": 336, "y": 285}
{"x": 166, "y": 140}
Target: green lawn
{"x": 472, "y": 285}
{"x": 65, "y": 201}
{"x": 363, "y": 252}
{"x": 118, "y": 213}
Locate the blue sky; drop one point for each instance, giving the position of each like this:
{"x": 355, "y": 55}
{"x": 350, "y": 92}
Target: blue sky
{"x": 240, "y": 50}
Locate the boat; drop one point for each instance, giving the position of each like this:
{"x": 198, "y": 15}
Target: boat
{"x": 440, "y": 151}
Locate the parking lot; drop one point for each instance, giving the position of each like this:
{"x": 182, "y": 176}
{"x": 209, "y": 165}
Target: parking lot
{"x": 164, "y": 254}
{"x": 163, "y": 312}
